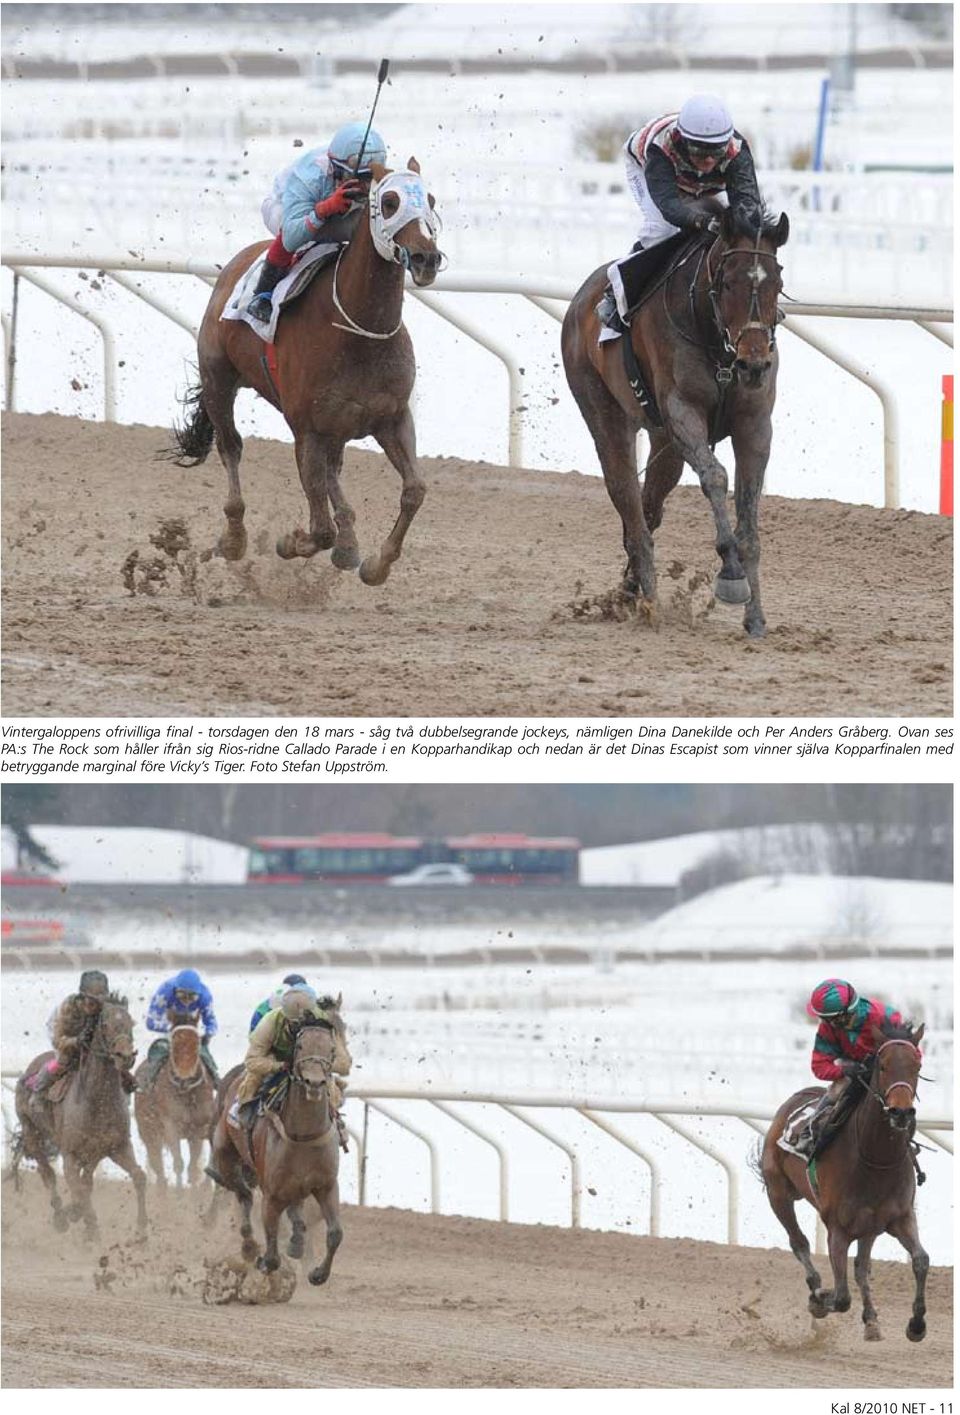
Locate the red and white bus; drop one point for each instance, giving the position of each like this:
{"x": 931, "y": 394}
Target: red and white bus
{"x": 357, "y": 858}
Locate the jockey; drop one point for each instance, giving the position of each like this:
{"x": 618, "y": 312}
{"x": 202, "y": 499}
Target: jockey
{"x": 71, "y": 1028}
{"x": 844, "y": 1041}
{"x": 325, "y": 182}
{"x": 187, "y": 994}
{"x": 670, "y": 164}
{"x": 271, "y": 1047}
{"x": 292, "y": 980}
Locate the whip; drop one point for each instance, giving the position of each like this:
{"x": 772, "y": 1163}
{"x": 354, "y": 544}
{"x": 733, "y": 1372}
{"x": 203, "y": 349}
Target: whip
{"x": 381, "y": 79}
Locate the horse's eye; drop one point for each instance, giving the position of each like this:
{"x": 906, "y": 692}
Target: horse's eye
{"x": 390, "y": 204}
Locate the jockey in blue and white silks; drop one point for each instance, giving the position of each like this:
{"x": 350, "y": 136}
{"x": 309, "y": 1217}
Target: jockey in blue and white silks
{"x": 323, "y": 183}
{"x": 185, "y": 993}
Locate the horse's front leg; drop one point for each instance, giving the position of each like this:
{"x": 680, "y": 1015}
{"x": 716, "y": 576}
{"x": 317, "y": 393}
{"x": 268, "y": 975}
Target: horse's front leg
{"x": 861, "y": 1271}
{"x": 315, "y": 456}
{"x": 80, "y": 1183}
{"x": 688, "y": 429}
{"x": 399, "y": 440}
{"x": 905, "y": 1231}
{"x": 127, "y": 1160}
{"x": 195, "y": 1143}
{"x": 824, "y": 1301}
{"x": 329, "y": 1201}
{"x": 270, "y": 1214}
{"x": 751, "y": 447}
{"x": 49, "y": 1176}
{"x": 297, "y": 1244}
{"x": 346, "y": 552}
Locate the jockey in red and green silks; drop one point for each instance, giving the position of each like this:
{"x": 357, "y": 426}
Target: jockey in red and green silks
{"x": 325, "y": 182}
{"x": 844, "y": 1041}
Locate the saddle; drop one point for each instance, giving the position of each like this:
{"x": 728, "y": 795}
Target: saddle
{"x": 642, "y": 270}
{"x": 290, "y": 288}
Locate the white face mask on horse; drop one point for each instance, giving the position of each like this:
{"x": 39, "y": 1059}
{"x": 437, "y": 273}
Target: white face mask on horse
{"x": 411, "y": 193}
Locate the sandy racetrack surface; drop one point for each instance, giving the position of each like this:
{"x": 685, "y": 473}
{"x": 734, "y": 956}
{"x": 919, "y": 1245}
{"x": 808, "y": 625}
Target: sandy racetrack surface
{"x": 499, "y": 606}
{"x": 416, "y": 1300}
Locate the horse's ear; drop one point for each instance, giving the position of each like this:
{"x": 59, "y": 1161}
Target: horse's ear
{"x": 339, "y": 1002}
{"x": 918, "y": 1034}
{"x": 782, "y": 232}
{"x": 413, "y": 165}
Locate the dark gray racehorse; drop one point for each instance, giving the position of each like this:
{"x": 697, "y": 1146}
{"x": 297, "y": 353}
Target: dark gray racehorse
{"x": 705, "y": 345}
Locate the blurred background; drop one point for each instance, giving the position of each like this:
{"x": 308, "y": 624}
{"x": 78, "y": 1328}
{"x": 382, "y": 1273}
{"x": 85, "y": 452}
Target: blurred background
{"x": 654, "y": 942}
{"x": 157, "y": 129}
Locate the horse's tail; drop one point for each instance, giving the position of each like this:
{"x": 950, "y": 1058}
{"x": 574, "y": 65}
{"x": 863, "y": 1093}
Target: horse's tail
{"x": 755, "y": 1160}
{"x": 194, "y": 437}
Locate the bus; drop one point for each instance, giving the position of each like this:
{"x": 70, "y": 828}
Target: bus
{"x": 358, "y": 858}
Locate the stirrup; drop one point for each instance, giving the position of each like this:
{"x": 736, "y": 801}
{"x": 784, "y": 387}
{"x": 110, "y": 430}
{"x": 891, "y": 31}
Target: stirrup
{"x": 261, "y": 307}
{"x": 607, "y": 311}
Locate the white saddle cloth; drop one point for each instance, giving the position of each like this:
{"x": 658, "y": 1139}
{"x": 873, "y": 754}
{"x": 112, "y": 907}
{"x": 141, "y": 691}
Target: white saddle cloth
{"x": 795, "y": 1126}
{"x": 290, "y": 286}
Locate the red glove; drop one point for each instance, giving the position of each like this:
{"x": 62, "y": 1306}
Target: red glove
{"x": 341, "y": 200}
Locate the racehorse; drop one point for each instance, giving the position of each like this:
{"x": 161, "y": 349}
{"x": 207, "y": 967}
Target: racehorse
{"x": 704, "y": 340}
{"x": 345, "y": 370}
{"x": 293, "y": 1152}
{"x": 180, "y": 1105}
{"x": 864, "y": 1182}
{"x": 90, "y": 1123}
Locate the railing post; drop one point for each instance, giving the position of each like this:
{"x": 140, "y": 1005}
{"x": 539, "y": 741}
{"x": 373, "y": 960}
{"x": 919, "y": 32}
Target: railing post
{"x": 12, "y": 346}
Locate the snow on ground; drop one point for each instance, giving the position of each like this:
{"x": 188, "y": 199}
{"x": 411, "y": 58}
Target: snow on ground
{"x": 783, "y": 912}
{"x": 135, "y": 854}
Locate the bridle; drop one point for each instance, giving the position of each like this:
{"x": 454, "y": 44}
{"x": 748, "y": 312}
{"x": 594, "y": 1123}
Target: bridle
{"x": 185, "y": 1083}
{"x": 911, "y": 1086}
{"x": 756, "y": 275}
{"x": 413, "y": 205}
{"x": 313, "y": 1088}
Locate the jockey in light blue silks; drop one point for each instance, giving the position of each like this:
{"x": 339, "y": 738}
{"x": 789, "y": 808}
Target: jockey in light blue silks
{"x": 184, "y": 994}
{"x": 325, "y": 182}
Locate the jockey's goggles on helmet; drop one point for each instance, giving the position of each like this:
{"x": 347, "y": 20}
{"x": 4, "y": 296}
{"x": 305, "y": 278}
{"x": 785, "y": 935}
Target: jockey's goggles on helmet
{"x": 346, "y": 173}
{"x": 703, "y": 151}
{"x": 183, "y": 996}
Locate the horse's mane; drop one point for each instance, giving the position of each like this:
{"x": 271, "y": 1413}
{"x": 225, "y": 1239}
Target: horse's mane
{"x": 116, "y": 999}
{"x": 734, "y": 223}
{"x": 898, "y": 1032}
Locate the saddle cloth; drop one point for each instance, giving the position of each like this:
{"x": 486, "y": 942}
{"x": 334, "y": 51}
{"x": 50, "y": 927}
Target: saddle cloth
{"x": 796, "y": 1124}
{"x": 293, "y": 284}
{"x": 640, "y": 269}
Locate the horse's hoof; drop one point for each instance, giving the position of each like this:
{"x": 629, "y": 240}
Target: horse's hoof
{"x": 757, "y": 629}
{"x": 287, "y": 547}
{"x": 916, "y": 1329}
{"x": 818, "y": 1307}
{"x": 372, "y": 572}
{"x": 871, "y": 1332}
{"x": 317, "y": 1277}
{"x": 60, "y": 1221}
{"x": 268, "y": 1265}
{"x": 345, "y": 557}
{"x": 731, "y": 591}
{"x": 249, "y": 1249}
{"x": 232, "y": 545}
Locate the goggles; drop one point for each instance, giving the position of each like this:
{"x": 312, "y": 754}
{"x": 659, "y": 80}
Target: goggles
{"x": 186, "y": 997}
{"x": 344, "y": 170}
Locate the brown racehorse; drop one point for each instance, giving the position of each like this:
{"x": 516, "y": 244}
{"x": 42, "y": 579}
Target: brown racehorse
{"x": 293, "y": 1152}
{"x": 179, "y": 1106}
{"x": 90, "y": 1123}
{"x": 865, "y": 1182}
{"x": 705, "y": 343}
{"x": 345, "y": 370}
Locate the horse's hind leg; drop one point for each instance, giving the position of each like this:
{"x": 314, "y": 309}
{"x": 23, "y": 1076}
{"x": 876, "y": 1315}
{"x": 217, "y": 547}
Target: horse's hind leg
{"x": 35, "y": 1148}
{"x": 905, "y": 1231}
{"x": 615, "y": 438}
{"x": 399, "y": 440}
{"x": 329, "y": 1201}
{"x": 315, "y": 456}
{"x": 219, "y": 381}
{"x": 861, "y": 1271}
{"x": 783, "y": 1201}
{"x": 664, "y": 470}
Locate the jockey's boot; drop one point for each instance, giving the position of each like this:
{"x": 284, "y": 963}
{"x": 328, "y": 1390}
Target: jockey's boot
{"x": 247, "y": 1114}
{"x": 261, "y": 306}
{"x": 129, "y": 1082}
{"x": 42, "y": 1081}
{"x": 607, "y": 310}
{"x": 341, "y": 1131}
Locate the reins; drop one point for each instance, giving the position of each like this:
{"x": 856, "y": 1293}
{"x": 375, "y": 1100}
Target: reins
{"x": 881, "y": 1099}
{"x": 352, "y": 327}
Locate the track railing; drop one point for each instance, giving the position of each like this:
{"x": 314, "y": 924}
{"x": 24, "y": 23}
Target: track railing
{"x": 545, "y": 295}
{"x": 677, "y": 1116}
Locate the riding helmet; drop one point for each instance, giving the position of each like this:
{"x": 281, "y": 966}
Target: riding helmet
{"x": 93, "y": 983}
{"x": 705, "y": 121}
{"x": 832, "y": 997}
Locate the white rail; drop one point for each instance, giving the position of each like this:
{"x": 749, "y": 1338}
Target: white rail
{"x": 595, "y": 1109}
{"x": 539, "y": 292}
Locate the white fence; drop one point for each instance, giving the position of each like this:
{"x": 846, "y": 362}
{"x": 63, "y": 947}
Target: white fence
{"x": 548, "y": 296}
{"x": 461, "y": 1108}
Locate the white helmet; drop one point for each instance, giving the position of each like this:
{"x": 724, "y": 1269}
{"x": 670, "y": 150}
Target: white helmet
{"x": 705, "y": 119}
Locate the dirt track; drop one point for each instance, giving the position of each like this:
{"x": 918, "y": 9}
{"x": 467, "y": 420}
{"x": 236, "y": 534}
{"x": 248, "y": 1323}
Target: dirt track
{"x": 422, "y": 1301}
{"x": 476, "y": 618}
